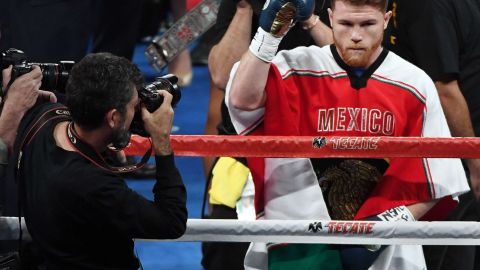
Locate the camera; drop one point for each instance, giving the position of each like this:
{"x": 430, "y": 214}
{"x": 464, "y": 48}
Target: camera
{"x": 55, "y": 76}
{"x": 149, "y": 96}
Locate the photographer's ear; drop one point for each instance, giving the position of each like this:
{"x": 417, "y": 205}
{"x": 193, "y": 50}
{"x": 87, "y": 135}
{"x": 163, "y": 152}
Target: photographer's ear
{"x": 113, "y": 118}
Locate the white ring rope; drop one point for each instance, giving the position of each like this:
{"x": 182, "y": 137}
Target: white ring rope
{"x": 334, "y": 232}
{"x": 307, "y": 231}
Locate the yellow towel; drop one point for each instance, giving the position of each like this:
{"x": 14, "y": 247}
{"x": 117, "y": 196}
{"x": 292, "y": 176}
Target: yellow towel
{"x": 228, "y": 180}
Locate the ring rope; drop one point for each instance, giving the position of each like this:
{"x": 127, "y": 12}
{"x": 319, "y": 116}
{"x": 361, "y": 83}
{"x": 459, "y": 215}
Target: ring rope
{"x": 304, "y": 231}
{"x": 334, "y": 232}
{"x": 320, "y": 147}
{"x": 308, "y": 231}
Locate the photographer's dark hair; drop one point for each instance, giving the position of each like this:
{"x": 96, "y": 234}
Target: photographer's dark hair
{"x": 98, "y": 83}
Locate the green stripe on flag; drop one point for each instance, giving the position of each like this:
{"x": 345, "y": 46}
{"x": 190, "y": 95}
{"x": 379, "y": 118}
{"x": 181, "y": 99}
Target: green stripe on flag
{"x": 304, "y": 256}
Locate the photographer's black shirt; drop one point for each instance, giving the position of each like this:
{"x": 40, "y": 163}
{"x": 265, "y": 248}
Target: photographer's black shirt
{"x": 83, "y": 217}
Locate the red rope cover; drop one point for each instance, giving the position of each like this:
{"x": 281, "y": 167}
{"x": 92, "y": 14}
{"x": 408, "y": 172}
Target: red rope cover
{"x": 320, "y": 147}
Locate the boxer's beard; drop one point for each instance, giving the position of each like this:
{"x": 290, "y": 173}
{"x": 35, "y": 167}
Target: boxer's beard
{"x": 357, "y": 56}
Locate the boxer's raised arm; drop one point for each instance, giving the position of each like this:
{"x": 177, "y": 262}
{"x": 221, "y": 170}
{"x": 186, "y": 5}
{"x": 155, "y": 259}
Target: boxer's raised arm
{"x": 248, "y": 86}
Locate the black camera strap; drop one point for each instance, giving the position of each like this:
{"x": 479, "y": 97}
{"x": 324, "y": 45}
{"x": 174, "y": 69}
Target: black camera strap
{"x": 61, "y": 113}
{"x": 96, "y": 158}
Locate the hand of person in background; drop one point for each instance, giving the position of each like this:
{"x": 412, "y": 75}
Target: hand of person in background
{"x": 22, "y": 94}
{"x": 474, "y": 169}
{"x": 458, "y": 118}
{"x": 159, "y": 124}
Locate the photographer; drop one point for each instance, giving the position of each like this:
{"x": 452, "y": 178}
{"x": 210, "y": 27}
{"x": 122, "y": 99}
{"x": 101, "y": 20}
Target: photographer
{"x": 22, "y": 95}
{"x": 81, "y": 215}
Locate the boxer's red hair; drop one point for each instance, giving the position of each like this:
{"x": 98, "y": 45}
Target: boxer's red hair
{"x": 380, "y": 4}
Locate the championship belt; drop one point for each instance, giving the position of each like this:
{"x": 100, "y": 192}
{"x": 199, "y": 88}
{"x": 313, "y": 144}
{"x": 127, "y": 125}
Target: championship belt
{"x": 347, "y": 184}
{"x": 166, "y": 47}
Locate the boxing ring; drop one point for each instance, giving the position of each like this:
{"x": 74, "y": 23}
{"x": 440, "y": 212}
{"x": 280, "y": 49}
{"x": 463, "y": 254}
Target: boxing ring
{"x": 313, "y": 231}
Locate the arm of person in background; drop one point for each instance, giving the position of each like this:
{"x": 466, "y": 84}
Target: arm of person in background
{"x": 220, "y": 61}
{"x": 458, "y": 119}
{"x": 213, "y": 118}
{"x": 181, "y": 65}
{"x": 320, "y": 32}
{"x": 232, "y": 45}
{"x": 22, "y": 94}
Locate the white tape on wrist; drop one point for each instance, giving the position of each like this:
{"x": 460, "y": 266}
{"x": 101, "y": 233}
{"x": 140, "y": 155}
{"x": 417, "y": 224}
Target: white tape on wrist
{"x": 308, "y": 25}
{"x": 399, "y": 213}
{"x": 264, "y": 45}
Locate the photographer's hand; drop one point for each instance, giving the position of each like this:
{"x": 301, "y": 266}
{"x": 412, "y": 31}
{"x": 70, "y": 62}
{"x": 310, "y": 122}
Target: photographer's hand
{"x": 159, "y": 124}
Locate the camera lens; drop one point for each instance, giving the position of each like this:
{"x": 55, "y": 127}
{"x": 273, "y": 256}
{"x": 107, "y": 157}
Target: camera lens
{"x": 55, "y": 76}
{"x": 64, "y": 69}
{"x": 49, "y": 79}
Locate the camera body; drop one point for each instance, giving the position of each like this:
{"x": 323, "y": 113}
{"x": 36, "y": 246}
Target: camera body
{"x": 149, "y": 96}
{"x": 55, "y": 76}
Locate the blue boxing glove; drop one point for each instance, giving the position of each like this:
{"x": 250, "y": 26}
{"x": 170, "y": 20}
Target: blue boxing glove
{"x": 277, "y": 17}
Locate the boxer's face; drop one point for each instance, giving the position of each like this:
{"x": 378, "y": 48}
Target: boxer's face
{"x": 358, "y": 32}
